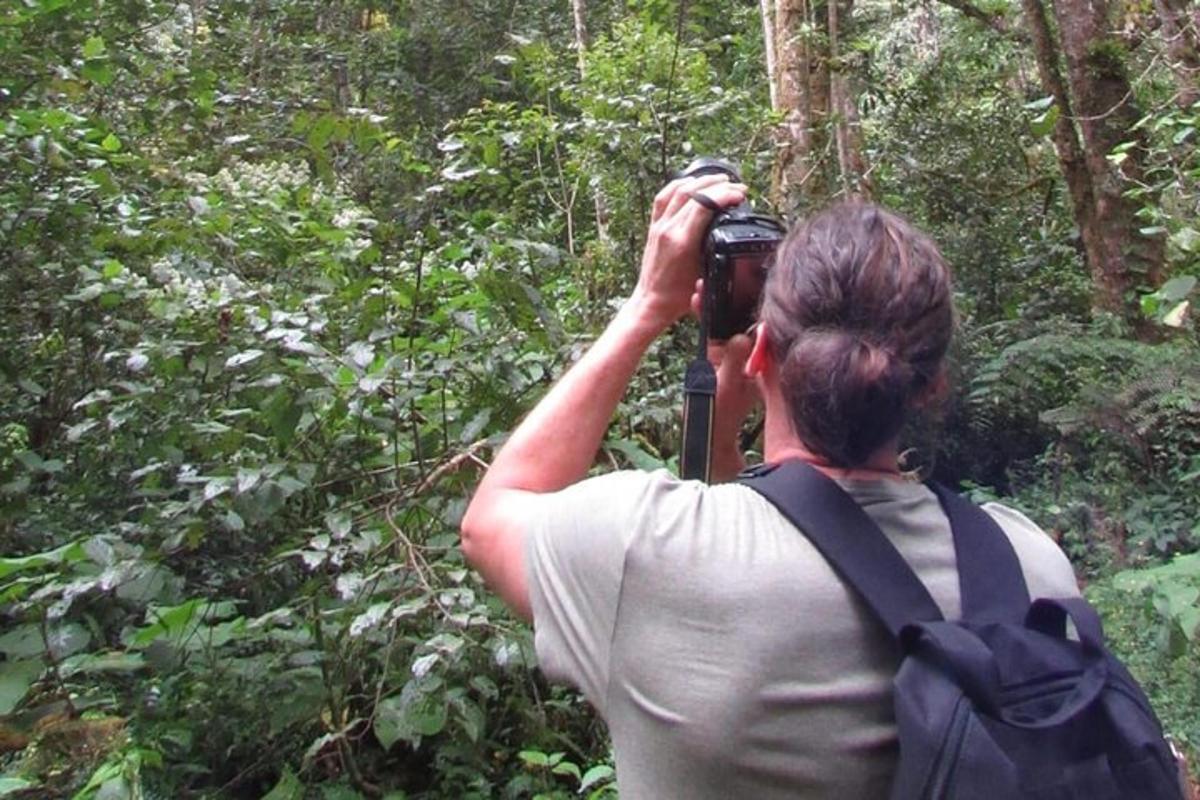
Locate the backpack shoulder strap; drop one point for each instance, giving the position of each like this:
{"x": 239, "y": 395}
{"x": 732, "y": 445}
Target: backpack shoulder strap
{"x": 990, "y": 580}
{"x": 848, "y": 539}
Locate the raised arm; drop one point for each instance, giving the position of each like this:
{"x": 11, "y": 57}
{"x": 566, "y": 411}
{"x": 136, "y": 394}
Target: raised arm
{"x": 556, "y": 444}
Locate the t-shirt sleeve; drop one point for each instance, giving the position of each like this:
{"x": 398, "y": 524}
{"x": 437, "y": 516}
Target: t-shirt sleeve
{"x": 574, "y": 563}
{"x": 1048, "y": 573}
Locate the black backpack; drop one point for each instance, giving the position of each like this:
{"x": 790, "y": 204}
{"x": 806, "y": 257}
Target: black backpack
{"x": 1002, "y": 704}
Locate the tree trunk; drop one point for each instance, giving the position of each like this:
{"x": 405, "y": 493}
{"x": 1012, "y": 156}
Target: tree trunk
{"x": 798, "y": 180}
{"x": 852, "y": 165}
{"x": 766, "y": 7}
{"x": 1066, "y": 139}
{"x": 1105, "y": 113}
{"x": 579, "y": 8}
{"x": 599, "y": 203}
{"x": 1183, "y": 48}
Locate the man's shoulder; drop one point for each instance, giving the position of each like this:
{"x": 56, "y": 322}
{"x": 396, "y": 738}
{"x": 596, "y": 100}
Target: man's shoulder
{"x": 1047, "y": 569}
{"x": 657, "y": 487}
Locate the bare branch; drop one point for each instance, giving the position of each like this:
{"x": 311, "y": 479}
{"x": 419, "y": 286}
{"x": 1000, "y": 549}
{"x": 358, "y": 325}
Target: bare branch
{"x": 996, "y": 22}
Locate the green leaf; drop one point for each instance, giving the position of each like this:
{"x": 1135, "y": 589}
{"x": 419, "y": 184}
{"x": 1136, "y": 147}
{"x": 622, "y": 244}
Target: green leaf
{"x": 178, "y": 621}
{"x": 61, "y": 555}
{"x": 8, "y": 785}
{"x": 283, "y": 415}
{"x": 596, "y": 775}
{"x": 1174, "y": 318}
{"x": 1044, "y": 123}
{"x": 22, "y": 642}
{"x": 322, "y": 131}
{"x": 245, "y": 357}
{"x": 111, "y": 143}
{"x": 636, "y": 455}
{"x": 473, "y": 428}
{"x": 94, "y": 47}
{"x": 471, "y": 718}
{"x": 339, "y": 524}
{"x": 289, "y": 787}
{"x": 98, "y": 72}
{"x": 1189, "y": 622}
{"x": 15, "y": 679}
{"x": 534, "y": 758}
{"x": 66, "y": 639}
{"x": 1177, "y": 288}
{"x": 103, "y": 663}
{"x": 1185, "y": 567}
{"x": 1186, "y": 239}
{"x": 419, "y": 710}
{"x": 340, "y": 791}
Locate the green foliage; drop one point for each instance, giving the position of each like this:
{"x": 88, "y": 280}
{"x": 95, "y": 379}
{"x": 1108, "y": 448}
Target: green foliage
{"x": 278, "y": 277}
{"x": 1099, "y": 437}
{"x": 1144, "y": 613}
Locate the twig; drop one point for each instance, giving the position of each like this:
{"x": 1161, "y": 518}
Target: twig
{"x": 1124, "y": 99}
{"x": 451, "y": 465}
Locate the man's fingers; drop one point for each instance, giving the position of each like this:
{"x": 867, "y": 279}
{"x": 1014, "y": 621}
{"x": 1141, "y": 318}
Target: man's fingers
{"x": 682, "y": 196}
{"x": 735, "y": 354}
{"x": 664, "y": 197}
{"x": 731, "y": 354}
{"x": 696, "y": 215}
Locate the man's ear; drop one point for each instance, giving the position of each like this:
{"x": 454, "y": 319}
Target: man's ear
{"x": 760, "y": 353}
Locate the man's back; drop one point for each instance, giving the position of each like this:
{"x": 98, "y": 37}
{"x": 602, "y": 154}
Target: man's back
{"x": 737, "y": 663}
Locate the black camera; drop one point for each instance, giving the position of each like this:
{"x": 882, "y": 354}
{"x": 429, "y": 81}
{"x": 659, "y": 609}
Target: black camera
{"x": 737, "y": 250}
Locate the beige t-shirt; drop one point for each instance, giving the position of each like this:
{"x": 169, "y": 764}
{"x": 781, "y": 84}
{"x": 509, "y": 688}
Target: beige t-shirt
{"x": 727, "y": 657}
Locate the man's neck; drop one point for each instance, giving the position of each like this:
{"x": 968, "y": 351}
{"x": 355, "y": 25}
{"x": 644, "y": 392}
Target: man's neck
{"x": 780, "y": 443}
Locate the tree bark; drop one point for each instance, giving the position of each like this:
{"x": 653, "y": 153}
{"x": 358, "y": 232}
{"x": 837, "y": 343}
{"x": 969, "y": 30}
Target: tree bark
{"x": 1066, "y": 139}
{"x": 599, "y": 202}
{"x": 767, "y": 10}
{"x": 798, "y": 180}
{"x": 995, "y": 21}
{"x": 1105, "y": 113}
{"x": 579, "y": 9}
{"x": 852, "y": 164}
{"x": 1183, "y": 48}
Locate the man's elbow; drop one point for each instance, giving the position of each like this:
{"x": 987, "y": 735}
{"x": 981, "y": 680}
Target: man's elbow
{"x": 469, "y": 532}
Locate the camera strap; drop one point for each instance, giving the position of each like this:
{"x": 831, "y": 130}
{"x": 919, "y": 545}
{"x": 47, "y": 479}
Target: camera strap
{"x": 699, "y": 407}
{"x": 699, "y": 400}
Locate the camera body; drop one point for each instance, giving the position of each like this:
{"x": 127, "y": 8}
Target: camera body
{"x": 736, "y": 250}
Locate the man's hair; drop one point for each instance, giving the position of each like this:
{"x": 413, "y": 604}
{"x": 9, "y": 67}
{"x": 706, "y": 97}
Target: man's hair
{"x": 859, "y": 311}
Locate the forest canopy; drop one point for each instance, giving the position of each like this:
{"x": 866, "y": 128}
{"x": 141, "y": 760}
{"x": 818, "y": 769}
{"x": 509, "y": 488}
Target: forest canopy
{"x": 279, "y": 276}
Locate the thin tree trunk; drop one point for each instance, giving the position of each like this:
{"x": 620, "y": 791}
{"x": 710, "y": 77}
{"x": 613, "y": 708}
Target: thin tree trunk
{"x": 1105, "y": 112}
{"x": 599, "y": 203}
{"x": 797, "y": 176}
{"x": 1066, "y": 139}
{"x": 852, "y": 166}
{"x": 766, "y": 7}
{"x": 1183, "y": 47}
{"x": 579, "y": 8}
{"x": 995, "y": 20}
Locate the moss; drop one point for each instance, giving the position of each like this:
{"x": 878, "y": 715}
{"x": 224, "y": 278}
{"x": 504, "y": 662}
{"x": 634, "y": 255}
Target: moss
{"x": 1107, "y": 57}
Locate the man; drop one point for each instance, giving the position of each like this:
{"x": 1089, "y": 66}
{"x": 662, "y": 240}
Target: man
{"x": 725, "y": 654}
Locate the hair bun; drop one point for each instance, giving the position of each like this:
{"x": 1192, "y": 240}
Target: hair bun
{"x": 851, "y": 390}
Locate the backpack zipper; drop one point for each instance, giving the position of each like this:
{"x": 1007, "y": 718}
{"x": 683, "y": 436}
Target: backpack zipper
{"x": 942, "y": 774}
{"x": 1023, "y": 692}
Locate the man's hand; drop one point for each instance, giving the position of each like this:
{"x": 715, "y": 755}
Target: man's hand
{"x": 556, "y": 444}
{"x": 737, "y": 393}
{"x": 737, "y": 396}
{"x": 671, "y": 260}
